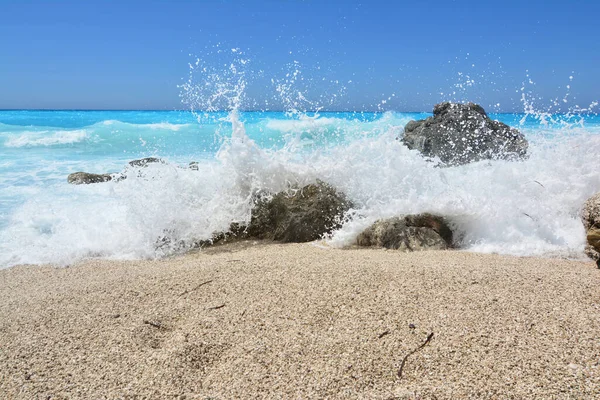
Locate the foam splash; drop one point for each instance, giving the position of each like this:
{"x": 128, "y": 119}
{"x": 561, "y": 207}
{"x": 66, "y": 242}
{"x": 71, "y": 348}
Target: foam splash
{"x": 521, "y": 208}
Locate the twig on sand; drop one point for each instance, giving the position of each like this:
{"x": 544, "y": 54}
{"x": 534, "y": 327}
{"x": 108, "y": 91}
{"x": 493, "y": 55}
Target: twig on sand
{"x": 383, "y": 334}
{"x": 216, "y": 307}
{"x": 413, "y": 352}
{"x": 197, "y": 287}
{"x": 154, "y": 324}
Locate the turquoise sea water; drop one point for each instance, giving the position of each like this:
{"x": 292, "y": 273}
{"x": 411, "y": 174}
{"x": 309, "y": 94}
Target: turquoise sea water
{"x": 515, "y": 208}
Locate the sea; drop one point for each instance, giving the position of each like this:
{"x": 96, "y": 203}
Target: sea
{"x": 523, "y": 208}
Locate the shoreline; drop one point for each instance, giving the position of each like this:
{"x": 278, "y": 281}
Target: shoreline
{"x": 259, "y": 319}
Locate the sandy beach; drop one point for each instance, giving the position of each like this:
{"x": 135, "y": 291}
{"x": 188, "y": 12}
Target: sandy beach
{"x": 262, "y": 320}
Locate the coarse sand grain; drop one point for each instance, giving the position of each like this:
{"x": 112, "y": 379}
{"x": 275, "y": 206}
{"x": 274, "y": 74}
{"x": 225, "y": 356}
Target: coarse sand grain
{"x": 262, "y": 320}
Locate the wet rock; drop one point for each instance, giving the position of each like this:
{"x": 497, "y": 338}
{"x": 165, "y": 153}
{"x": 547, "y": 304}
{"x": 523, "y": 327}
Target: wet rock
{"x": 143, "y": 162}
{"x": 298, "y": 215}
{"x": 591, "y": 222}
{"x": 170, "y": 242}
{"x": 84, "y": 178}
{"x": 236, "y": 232}
{"x": 463, "y": 133}
{"x": 79, "y": 178}
{"x": 409, "y": 233}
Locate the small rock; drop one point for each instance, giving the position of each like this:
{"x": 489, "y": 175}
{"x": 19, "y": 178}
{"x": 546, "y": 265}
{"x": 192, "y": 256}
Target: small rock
{"x": 409, "y": 233}
{"x": 84, "y": 178}
{"x": 143, "y": 162}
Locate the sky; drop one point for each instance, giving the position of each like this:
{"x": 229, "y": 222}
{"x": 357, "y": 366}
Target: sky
{"x": 351, "y": 55}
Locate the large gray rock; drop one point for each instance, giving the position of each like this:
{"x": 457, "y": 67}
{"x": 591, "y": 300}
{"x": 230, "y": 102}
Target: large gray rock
{"x": 463, "y": 133}
{"x": 591, "y": 222}
{"x": 81, "y": 178}
{"x": 299, "y": 215}
{"x": 409, "y": 233}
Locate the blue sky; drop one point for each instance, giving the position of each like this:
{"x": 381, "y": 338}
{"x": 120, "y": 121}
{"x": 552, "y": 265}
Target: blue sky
{"x": 134, "y": 54}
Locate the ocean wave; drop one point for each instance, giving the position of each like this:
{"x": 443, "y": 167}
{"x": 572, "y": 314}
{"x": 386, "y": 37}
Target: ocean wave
{"x": 521, "y": 208}
{"x": 46, "y": 138}
{"x": 157, "y": 125}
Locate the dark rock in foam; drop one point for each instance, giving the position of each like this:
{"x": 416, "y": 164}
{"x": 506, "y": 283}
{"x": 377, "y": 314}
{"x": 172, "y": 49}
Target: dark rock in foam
{"x": 79, "y": 178}
{"x": 409, "y": 233}
{"x": 591, "y": 222}
{"x": 299, "y": 215}
{"x": 296, "y": 215}
{"x": 84, "y": 178}
{"x": 463, "y": 133}
{"x": 143, "y": 162}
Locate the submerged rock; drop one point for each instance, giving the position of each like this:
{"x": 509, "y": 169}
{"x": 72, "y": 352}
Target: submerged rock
{"x": 463, "y": 133}
{"x": 79, "y": 178}
{"x": 591, "y": 222}
{"x": 143, "y": 162}
{"x": 300, "y": 215}
{"x": 84, "y": 178}
{"x": 409, "y": 233}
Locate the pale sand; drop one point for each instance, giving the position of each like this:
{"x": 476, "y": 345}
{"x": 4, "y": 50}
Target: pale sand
{"x": 300, "y": 321}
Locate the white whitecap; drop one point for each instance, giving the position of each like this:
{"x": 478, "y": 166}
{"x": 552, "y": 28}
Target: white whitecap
{"x": 46, "y": 138}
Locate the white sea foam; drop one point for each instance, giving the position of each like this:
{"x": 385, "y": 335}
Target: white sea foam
{"x": 304, "y": 123}
{"x": 522, "y": 208}
{"x": 46, "y": 138}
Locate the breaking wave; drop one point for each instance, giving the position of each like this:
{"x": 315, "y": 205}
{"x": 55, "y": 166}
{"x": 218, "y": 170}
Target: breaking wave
{"x": 46, "y": 138}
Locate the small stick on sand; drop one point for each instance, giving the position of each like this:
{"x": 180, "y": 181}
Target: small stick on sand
{"x": 413, "y": 352}
{"x": 154, "y": 324}
{"x": 383, "y": 334}
{"x": 216, "y": 307}
{"x": 197, "y": 287}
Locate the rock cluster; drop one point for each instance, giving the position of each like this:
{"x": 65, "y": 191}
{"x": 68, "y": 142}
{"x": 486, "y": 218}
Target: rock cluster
{"x": 456, "y": 134}
{"x": 463, "y": 133}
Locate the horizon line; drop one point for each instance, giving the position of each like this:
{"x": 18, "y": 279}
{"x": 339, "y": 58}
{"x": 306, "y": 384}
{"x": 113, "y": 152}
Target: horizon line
{"x": 248, "y": 110}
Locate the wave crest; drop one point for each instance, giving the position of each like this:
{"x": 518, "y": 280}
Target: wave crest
{"x": 47, "y": 138}
{"x": 157, "y": 125}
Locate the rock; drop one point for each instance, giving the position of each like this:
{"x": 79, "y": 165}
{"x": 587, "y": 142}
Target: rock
{"x": 591, "y": 222}
{"x": 299, "y": 215}
{"x": 463, "y": 133}
{"x": 143, "y": 162}
{"x": 169, "y": 243}
{"x": 79, "y": 178}
{"x": 409, "y": 233}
